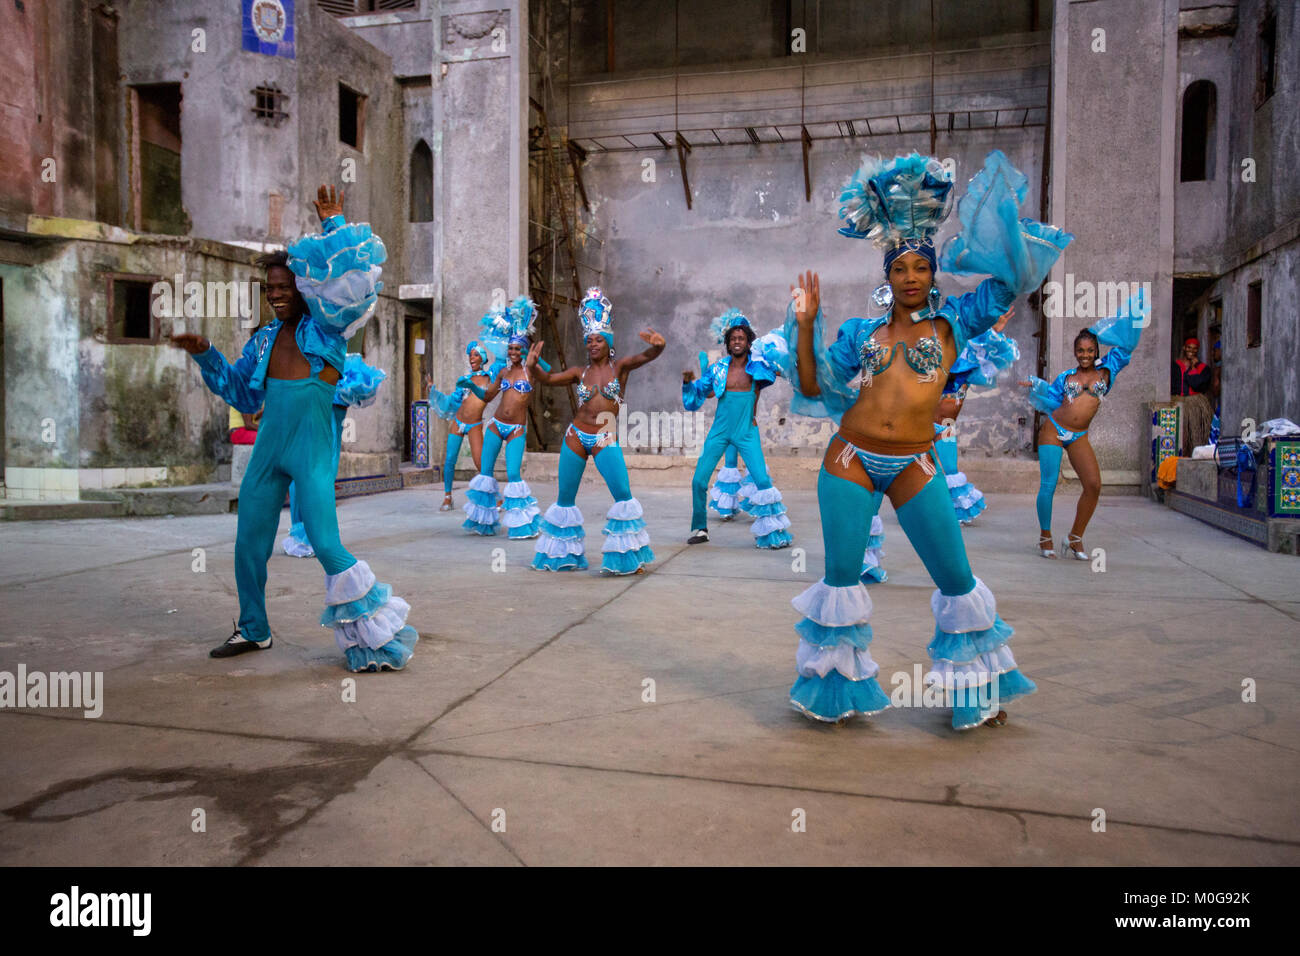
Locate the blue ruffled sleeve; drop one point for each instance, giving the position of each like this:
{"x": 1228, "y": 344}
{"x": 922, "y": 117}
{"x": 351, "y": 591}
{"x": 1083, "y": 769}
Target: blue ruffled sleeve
{"x": 359, "y": 383}
{"x": 231, "y": 382}
{"x": 974, "y": 313}
{"x": 446, "y": 405}
{"x": 697, "y": 391}
{"x": 983, "y": 358}
{"x": 767, "y": 356}
{"x": 337, "y": 272}
{"x": 837, "y": 365}
{"x": 994, "y": 240}
{"x": 1047, "y": 397}
{"x": 1122, "y": 332}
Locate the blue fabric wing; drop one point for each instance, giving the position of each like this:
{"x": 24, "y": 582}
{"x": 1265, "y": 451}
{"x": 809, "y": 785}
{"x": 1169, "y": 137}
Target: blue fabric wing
{"x": 984, "y": 357}
{"x": 1047, "y": 397}
{"x": 1124, "y": 328}
{"x": 230, "y": 382}
{"x": 359, "y": 384}
{"x": 767, "y": 356}
{"x": 994, "y": 240}
{"x": 837, "y": 365}
{"x": 697, "y": 391}
{"x": 337, "y": 272}
{"x": 446, "y": 404}
{"x": 974, "y": 313}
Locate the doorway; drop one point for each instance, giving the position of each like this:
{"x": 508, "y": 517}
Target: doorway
{"x": 417, "y": 369}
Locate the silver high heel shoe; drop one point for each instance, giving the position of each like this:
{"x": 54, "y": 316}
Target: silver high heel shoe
{"x": 1068, "y": 547}
{"x": 1045, "y": 552}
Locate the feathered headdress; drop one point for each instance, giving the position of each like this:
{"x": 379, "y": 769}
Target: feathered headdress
{"x": 521, "y": 313}
{"x": 596, "y": 314}
{"x": 721, "y": 327}
{"x": 482, "y": 351}
{"x": 899, "y": 205}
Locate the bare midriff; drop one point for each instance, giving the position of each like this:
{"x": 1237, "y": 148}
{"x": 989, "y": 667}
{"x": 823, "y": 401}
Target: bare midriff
{"x": 471, "y": 406}
{"x": 1078, "y": 414}
{"x": 287, "y": 360}
{"x": 599, "y": 413}
{"x": 513, "y": 407}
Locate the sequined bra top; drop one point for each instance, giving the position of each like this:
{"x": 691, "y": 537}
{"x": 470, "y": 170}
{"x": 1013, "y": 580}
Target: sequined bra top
{"x": 610, "y": 390}
{"x": 523, "y": 385}
{"x": 1073, "y": 389}
{"x": 925, "y": 359}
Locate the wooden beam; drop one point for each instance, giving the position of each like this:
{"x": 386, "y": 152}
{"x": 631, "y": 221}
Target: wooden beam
{"x": 807, "y": 178}
{"x": 683, "y": 148}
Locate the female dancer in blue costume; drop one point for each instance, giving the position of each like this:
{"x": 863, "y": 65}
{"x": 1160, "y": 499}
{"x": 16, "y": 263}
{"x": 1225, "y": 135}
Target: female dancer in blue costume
{"x": 464, "y": 410}
{"x": 294, "y": 376}
{"x": 886, "y": 432}
{"x": 593, "y": 433}
{"x": 358, "y": 386}
{"x": 1070, "y": 403}
{"x": 979, "y": 363}
{"x": 509, "y": 425}
{"x": 737, "y": 379}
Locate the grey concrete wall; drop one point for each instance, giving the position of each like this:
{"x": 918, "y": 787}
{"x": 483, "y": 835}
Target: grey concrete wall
{"x": 1113, "y": 177}
{"x": 405, "y": 35}
{"x": 1201, "y": 208}
{"x": 418, "y": 266}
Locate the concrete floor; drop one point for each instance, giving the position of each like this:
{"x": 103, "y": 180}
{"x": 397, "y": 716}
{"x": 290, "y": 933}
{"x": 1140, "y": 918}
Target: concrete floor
{"x": 518, "y": 734}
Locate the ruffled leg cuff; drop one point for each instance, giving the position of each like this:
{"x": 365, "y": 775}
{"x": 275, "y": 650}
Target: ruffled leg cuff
{"x": 368, "y": 620}
{"x": 295, "y": 543}
{"x": 873, "y": 571}
{"x": 520, "y": 512}
{"x": 627, "y": 543}
{"x": 771, "y": 525}
{"x": 834, "y": 697}
{"x": 561, "y": 544}
{"x": 967, "y": 500}
{"x": 482, "y": 514}
{"x": 723, "y": 497}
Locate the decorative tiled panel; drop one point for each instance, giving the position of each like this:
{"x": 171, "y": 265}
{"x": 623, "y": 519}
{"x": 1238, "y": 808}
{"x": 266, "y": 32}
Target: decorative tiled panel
{"x": 1284, "y": 494}
{"x": 1164, "y": 437}
{"x": 420, "y": 434}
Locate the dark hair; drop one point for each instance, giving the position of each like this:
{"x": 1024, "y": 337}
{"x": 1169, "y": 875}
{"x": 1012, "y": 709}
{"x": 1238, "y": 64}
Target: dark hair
{"x": 1088, "y": 334}
{"x": 268, "y": 259}
{"x": 749, "y": 333}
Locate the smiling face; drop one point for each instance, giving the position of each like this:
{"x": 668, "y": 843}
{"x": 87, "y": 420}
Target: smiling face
{"x": 910, "y": 278}
{"x": 1085, "y": 352}
{"x": 475, "y": 361}
{"x": 1189, "y": 352}
{"x": 282, "y": 293}
{"x": 737, "y": 342}
{"x": 597, "y": 347}
{"x": 516, "y": 353}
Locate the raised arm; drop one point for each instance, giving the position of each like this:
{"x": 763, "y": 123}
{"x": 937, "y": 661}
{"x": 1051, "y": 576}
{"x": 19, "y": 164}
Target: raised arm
{"x": 541, "y": 372}
{"x": 696, "y": 391}
{"x": 654, "y": 340}
{"x": 229, "y": 382}
{"x": 807, "y": 309}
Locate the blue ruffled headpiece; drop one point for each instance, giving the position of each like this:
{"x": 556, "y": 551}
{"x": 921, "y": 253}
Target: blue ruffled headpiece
{"x": 521, "y": 314}
{"x": 483, "y": 353}
{"x": 898, "y": 205}
{"x": 721, "y": 327}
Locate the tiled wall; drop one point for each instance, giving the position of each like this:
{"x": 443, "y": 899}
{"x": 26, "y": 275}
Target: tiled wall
{"x": 64, "y": 484}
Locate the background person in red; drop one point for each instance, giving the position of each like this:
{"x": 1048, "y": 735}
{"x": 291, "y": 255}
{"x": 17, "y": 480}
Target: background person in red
{"x": 1188, "y": 375}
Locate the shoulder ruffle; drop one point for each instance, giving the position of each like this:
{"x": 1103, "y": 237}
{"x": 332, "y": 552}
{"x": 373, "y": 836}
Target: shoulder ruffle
{"x": 338, "y": 274}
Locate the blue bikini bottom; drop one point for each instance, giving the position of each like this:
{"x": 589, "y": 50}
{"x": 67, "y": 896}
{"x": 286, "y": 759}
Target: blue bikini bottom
{"x": 1066, "y": 436}
{"x": 588, "y": 440}
{"x": 466, "y": 429}
{"x": 883, "y": 469}
{"x": 504, "y": 430}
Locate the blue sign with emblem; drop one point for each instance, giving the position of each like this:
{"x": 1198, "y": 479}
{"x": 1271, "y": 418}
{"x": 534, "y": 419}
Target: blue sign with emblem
{"x": 268, "y": 27}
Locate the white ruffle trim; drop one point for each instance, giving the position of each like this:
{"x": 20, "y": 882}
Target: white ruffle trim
{"x": 729, "y": 475}
{"x": 877, "y": 526}
{"x": 479, "y": 514}
{"x": 973, "y": 611}
{"x": 350, "y": 585}
{"x": 957, "y": 479}
{"x": 834, "y": 607}
{"x": 630, "y": 541}
{"x": 564, "y": 517}
{"x": 486, "y": 483}
{"x": 374, "y": 631}
{"x": 968, "y": 500}
{"x": 518, "y": 517}
{"x": 852, "y": 662}
{"x": 768, "y": 496}
{"x": 723, "y": 500}
{"x": 296, "y": 547}
{"x": 872, "y": 557}
{"x": 559, "y": 547}
{"x": 769, "y": 523}
{"x": 972, "y": 673}
{"x": 748, "y": 488}
{"x": 628, "y": 510}
{"x": 517, "y": 489}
